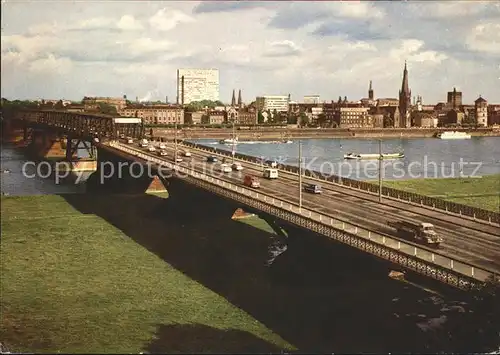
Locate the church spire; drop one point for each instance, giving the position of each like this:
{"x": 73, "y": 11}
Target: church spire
{"x": 370, "y": 91}
{"x": 240, "y": 102}
{"x": 233, "y": 100}
{"x": 405, "y": 101}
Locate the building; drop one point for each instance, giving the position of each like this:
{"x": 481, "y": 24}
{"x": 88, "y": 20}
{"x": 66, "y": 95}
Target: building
{"x": 493, "y": 114}
{"x": 214, "y": 117}
{"x": 454, "y": 99}
{"x": 280, "y": 103}
{"x": 155, "y": 114}
{"x": 311, "y": 99}
{"x": 353, "y": 117}
{"x": 424, "y": 119}
{"x": 370, "y": 100}
{"x": 404, "y": 103}
{"x": 481, "y": 111}
{"x": 247, "y": 116}
{"x": 92, "y": 103}
{"x": 386, "y": 102}
{"x": 197, "y": 85}
{"x": 453, "y": 117}
{"x": 193, "y": 117}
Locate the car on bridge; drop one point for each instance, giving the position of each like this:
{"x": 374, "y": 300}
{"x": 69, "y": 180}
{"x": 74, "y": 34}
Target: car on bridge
{"x": 251, "y": 181}
{"x": 312, "y": 188}
{"x": 212, "y": 159}
{"x": 162, "y": 146}
{"x": 178, "y": 159}
{"x": 187, "y": 153}
{"x": 237, "y": 166}
{"x": 162, "y": 153}
{"x": 151, "y": 149}
{"x": 225, "y": 168}
{"x": 270, "y": 173}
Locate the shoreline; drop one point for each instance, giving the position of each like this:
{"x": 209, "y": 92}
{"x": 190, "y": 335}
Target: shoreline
{"x": 290, "y": 134}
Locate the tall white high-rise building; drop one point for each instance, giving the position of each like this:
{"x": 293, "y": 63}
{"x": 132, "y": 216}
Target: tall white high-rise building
{"x": 197, "y": 85}
{"x": 280, "y": 103}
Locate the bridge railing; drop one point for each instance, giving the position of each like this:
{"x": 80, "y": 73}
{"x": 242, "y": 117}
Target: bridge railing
{"x": 388, "y": 192}
{"x": 417, "y": 258}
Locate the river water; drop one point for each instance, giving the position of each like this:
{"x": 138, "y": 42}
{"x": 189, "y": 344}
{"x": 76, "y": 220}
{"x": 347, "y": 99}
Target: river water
{"x": 423, "y": 157}
{"x": 19, "y": 176}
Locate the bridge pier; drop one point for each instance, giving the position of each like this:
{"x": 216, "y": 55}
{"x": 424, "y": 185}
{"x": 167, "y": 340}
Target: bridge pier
{"x": 119, "y": 174}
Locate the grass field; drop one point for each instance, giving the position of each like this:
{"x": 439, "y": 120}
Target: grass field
{"x": 74, "y": 283}
{"x": 481, "y": 192}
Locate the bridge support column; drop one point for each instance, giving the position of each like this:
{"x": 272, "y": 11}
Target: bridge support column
{"x": 118, "y": 174}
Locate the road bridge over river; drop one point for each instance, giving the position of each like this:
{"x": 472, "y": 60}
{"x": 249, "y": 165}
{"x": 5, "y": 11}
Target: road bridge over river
{"x": 470, "y": 253}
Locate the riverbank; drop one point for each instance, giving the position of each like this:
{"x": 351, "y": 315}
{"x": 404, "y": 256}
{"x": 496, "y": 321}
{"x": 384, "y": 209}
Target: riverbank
{"x": 74, "y": 283}
{"x": 482, "y": 192}
{"x": 265, "y": 133}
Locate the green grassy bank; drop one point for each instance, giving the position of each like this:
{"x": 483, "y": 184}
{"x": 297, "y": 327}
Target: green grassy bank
{"x": 481, "y": 192}
{"x": 74, "y": 283}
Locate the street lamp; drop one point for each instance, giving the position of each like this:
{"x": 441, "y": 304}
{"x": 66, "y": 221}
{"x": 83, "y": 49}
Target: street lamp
{"x": 380, "y": 170}
{"x": 300, "y": 176}
{"x": 234, "y": 143}
{"x": 175, "y": 142}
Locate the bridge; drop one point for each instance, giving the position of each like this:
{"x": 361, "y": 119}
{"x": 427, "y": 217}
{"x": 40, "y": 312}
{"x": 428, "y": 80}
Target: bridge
{"x": 469, "y": 255}
{"x": 59, "y": 134}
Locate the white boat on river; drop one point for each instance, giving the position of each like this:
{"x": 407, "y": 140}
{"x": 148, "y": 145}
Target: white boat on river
{"x": 354, "y": 156}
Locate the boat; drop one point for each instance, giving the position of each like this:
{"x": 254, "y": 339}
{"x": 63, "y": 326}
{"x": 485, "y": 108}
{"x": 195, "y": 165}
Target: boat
{"x": 229, "y": 141}
{"x": 373, "y": 156}
{"x": 454, "y": 135}
{"x": 287, "y": 141}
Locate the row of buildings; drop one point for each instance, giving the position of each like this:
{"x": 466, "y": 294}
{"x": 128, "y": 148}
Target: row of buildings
{"x": 194, "y": 85}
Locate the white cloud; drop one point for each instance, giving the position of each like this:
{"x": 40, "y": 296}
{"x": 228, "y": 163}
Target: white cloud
{"x": 485, "y": 38}
{"x": 128, "y": 22}
{"x": 135, "y": 48}
{"x": 440, "y": 10}
{"x": 353, "y": 9}
{"x": 51, "y": 65}
{"x": 167, "y": 19}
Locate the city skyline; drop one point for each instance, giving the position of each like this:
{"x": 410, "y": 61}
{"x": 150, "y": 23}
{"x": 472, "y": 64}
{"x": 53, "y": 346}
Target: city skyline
{"x": 72, "y": 50}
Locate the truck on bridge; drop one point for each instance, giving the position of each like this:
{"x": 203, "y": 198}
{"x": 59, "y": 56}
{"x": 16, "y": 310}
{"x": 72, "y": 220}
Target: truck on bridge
{"x": 420, "y": 232}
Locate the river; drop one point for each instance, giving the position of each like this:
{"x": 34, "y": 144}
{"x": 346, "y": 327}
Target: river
{"x": 20, "y": 177}
{"x": 423, "y": 157}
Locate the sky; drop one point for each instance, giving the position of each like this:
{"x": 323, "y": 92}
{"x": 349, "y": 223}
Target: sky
{"x": 71, "y": 49}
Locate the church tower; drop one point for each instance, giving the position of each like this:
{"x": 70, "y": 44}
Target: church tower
{"x": 370, "y": 91}
{"x": 233, "y": 100}
{"x": 240, "y": 103}
{"x": 404, "y": 102}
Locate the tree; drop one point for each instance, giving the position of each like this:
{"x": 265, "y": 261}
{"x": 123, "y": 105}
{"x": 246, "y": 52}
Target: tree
{"x": 304, "y": 120}
{"x": 292, "y": 118}
{"x": 107, "y": 109}
{"x": 260, "y": 117}
{"x": 321, "y": 119}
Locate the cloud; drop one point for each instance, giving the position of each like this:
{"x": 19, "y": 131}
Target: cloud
{"x": 485, "y": 38}
{"x": 327, "y": 48}
{"x": 227, "y": 6}
{"x": 128, "y": 22}
{"x": 51, "y": 64}
{"x": 167, "y": 19}
{"x": 282, "y": 49}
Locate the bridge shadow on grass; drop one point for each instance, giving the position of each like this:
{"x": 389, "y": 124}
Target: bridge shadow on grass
{"x": 319, "y": 295}
{"x": 198, "y": 338}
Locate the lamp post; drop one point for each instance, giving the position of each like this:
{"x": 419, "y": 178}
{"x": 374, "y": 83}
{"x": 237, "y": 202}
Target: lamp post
{"x": 380, "y": 170}
{"x": 300, "y": 176}
{"x": 175, "y": 142}
{"x": 234, "y": 144}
